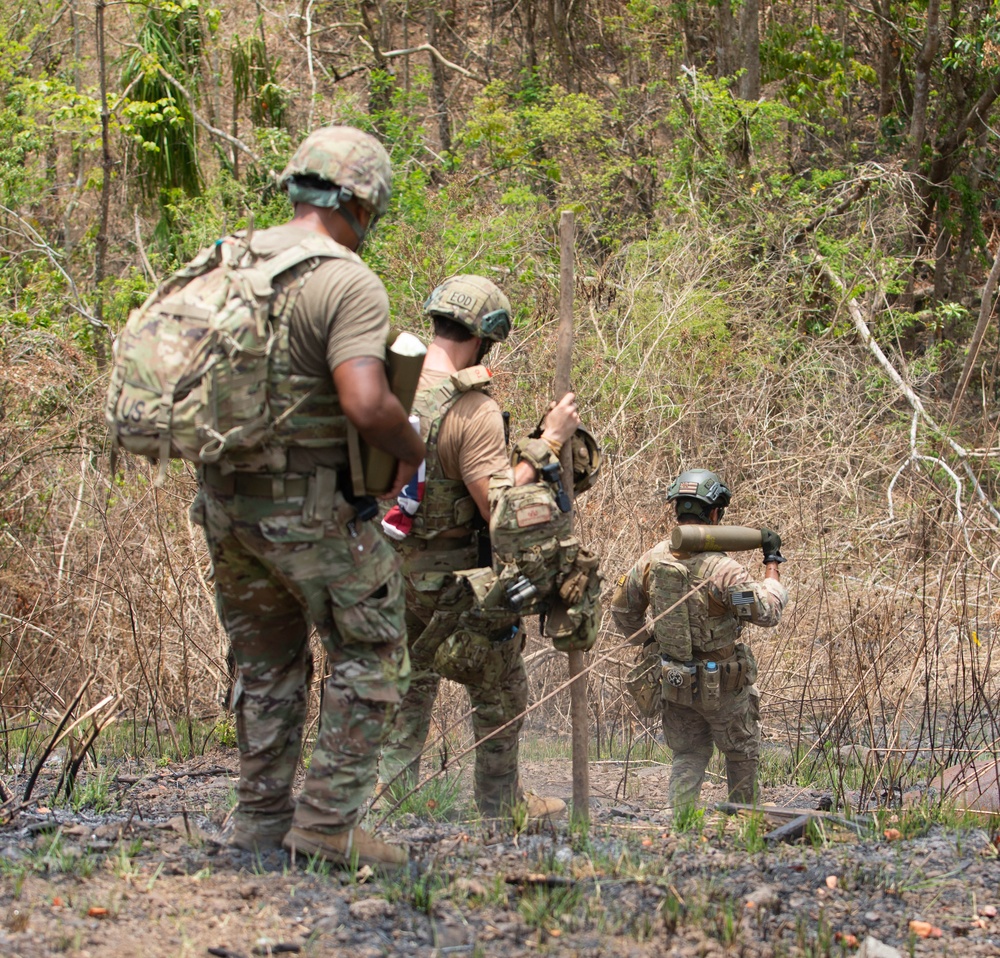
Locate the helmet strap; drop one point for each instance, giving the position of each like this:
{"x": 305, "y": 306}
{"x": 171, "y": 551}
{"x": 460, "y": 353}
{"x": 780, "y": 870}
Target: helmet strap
{"x": 352, "y": 220}
{"x": 484, "y": 348}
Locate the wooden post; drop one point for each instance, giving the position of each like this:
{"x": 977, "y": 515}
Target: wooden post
{"x": 579, "y": 716}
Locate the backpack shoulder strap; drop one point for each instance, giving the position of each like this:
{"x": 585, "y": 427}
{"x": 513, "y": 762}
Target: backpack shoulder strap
{"x": 309, "y": 248}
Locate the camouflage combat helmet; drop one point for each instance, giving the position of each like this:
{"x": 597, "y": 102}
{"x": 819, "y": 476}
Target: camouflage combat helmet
{"x": 586, "y": 455}
{"x": 697, "y": 491}
{"x": 586, "y": 460}
{"x": 354, "y": 163}
{"x": 473, "y": 302}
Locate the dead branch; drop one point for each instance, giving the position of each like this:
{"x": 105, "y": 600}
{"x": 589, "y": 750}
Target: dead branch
{"x": 423, "y": 48}
{"x": 986, "y": 309}
{"x": 911, "y": 397}
{"x": 213, "y": 130}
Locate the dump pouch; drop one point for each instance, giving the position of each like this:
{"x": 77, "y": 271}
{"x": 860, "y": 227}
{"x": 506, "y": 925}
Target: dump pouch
{"x": 644, "y": 684}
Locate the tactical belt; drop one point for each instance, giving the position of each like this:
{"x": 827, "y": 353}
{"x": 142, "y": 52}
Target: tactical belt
{"x": 717, "y": 655}
{"x": 256, "y": 485}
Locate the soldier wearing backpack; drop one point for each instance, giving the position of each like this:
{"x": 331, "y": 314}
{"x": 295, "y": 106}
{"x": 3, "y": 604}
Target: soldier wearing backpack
{"x": 289, "y": 548}
{"x": 441, "y": 530}
{"x": 702, "y": 675}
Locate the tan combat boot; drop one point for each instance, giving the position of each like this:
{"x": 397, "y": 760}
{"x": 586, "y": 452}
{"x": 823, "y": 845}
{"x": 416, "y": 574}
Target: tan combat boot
{"x": 349, "y": 849}
{"x": 256, "y": 833}
{"x": 543, "y": 808}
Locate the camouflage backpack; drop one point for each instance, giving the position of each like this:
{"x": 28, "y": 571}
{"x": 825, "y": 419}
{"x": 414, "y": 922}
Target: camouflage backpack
{"x": 190, "y": 376}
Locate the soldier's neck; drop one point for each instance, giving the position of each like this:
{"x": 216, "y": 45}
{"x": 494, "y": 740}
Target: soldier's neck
{"x": 446, "y": 356}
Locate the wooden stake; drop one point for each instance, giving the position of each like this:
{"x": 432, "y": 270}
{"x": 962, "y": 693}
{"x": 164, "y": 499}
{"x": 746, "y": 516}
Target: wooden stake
{"x": 579, "y": 716}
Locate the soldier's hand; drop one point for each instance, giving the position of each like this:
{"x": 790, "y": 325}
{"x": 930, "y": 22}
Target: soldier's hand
{"x": 404, "y": 473}
{"x": 770, "y": 543}
{"x": 562, "y": 419}
{"x": 576, "y": 642}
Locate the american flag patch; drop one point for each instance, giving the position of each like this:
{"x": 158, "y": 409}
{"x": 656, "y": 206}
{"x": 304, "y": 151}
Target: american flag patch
{"x": 743, "y": 602}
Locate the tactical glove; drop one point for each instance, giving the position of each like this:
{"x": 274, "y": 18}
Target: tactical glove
{"x": 582, "y": 641}
{"x": 576, "y": 632}
{"x": 770, "y": 543}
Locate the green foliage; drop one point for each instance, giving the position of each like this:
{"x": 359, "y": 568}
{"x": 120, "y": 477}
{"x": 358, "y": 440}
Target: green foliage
{"x": 254, "y": 81}
{"x": 689, "y": 819}
{"x": 437, "y": 801}
{"x": 544, "y": 908}
{"x": 817, "y": 71}
{"x": 561, "y": 146}
{"x": 157, "y": 114}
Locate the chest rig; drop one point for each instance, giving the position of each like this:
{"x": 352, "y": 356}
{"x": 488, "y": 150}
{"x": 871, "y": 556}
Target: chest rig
{"x": 446, "y": 504}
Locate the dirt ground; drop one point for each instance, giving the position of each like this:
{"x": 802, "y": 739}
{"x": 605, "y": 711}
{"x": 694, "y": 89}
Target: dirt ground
{"x": 147, "y": 880}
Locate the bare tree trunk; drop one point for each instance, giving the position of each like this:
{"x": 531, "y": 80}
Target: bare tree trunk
{"x": 380, "y": 94}
{"x": 530, "y": 8}
{"x": 559, "y": 32}
{"x": 965, "y": 240}
{"x": 437, "y": 84}
{"x": 749, "y": 88}
{"x": 922, "y": 80}
{"x": 888, "y": 54}
{"x": 942, "y": 285}
{"x": 986, "y": 310}
{"x": 101, "y": 241}
{"x": 725, "y": 42}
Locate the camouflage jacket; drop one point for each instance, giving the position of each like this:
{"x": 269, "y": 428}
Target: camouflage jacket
{"x": 705, "y": 622}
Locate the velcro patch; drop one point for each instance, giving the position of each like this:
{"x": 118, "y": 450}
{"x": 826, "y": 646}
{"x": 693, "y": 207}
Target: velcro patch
{"x": 533, "y": 514}
{"x": 688, "y": 489}
{"x": 743, "y": 600}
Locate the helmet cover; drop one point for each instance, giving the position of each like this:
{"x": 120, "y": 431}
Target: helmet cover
{"x": 586, "y": 460}
{"x": 344, "y": 157}
{"x": 475, "y": 303}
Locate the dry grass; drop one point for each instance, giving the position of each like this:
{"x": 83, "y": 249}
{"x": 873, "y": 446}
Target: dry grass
{"x": 887, "y": 647}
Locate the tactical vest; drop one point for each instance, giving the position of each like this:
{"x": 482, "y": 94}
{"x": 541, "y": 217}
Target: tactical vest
{"x": 446, "y": 504}
{"x": 691, "y": 627}
{"x": 306, "y": 408}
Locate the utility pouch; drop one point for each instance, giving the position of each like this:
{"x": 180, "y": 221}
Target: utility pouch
{"x": 643, "y": 684}
{"x": 320, "y": 504}
{"x": 678, "y": 681}
{"x": 709, "y": 685}
{"x": 747, "y": 664}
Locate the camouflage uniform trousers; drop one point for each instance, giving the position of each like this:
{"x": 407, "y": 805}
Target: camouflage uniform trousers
{"x": 691, "y": 731}
{"x": 274, "y": 576}
{"x": 480, "y": 651}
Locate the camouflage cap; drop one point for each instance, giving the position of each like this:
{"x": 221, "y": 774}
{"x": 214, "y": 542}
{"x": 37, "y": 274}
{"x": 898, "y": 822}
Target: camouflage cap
{"x": 473, "y": 302}
{"x": 346, "y": 157}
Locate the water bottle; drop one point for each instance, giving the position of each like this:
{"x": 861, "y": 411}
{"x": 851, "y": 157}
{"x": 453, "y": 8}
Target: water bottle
{"x": 710, "y": 688}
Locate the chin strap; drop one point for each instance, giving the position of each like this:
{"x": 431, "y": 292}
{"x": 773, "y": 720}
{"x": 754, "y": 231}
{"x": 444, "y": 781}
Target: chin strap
{"x": 352, "y": 220}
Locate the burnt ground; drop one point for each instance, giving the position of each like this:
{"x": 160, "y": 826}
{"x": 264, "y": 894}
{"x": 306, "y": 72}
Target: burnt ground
{"x": 145, "y": 878}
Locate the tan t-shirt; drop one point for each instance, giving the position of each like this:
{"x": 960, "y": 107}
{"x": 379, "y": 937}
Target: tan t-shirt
{"x": 340, "y": 313}
{"x": 470, "y": 443}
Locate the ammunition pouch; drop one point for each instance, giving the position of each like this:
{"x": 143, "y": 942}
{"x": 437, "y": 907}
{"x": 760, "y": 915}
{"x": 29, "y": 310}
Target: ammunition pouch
{"x": 679, "y": 682}
{"x": 536, "y": 452}
{"x": 471, "y": 657}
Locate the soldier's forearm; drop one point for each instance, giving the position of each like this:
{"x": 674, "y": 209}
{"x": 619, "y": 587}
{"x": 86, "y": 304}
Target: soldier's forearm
{"x": 394, "y": 434}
